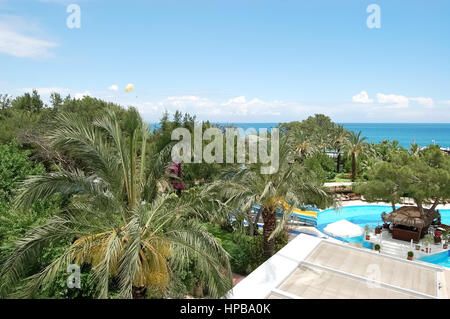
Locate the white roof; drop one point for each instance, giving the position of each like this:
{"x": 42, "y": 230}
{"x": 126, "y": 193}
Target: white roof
{"x": 310, "y": 267}
{"x": 343, "y": 228}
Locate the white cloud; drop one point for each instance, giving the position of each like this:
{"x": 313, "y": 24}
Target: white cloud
{"x": 238, "y": 100}
{"x": 113, "y": 87}
{"x": 426, "y": 101}
{"x": 362, "y": 97}
{"x": 238, "y": 104}
{"x": 19, "y": 38}
{"x": 255, "y": 107}
{"x": 79, "y": 96}
{"x": 237, "y": 108}
{"x": 447, "y": 102}
{"x": 398, "y": 101}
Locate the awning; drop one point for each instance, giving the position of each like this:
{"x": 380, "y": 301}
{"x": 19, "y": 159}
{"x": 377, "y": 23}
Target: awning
{"x": 344, "y": 228}
{"x": 410, "y": 216}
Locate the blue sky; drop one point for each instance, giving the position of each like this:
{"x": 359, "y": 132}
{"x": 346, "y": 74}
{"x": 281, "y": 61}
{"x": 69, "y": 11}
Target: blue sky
{"x": 236, "y": 61}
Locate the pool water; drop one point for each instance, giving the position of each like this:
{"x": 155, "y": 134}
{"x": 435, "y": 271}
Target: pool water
{"x": 441, "y": 259}
{"x": 362, "y": 216}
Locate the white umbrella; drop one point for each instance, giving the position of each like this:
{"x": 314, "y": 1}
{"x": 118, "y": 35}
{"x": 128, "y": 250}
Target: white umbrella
{"x": 344, "y": 228}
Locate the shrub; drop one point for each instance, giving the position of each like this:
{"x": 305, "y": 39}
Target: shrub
{"x": 246, "y": 252}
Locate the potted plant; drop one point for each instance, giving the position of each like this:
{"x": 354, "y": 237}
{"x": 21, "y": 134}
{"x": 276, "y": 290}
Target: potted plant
{"x": 377, "y": 247}
{"x": 437, "y": 237}
{"x": 445, "y": 238}
{"x": 378, "y": 230}
{"x": 410, "y": 255}
{"x": 367, "y": 230}
{"x": 417, "y": 246}
{"x": 428, "y": 239}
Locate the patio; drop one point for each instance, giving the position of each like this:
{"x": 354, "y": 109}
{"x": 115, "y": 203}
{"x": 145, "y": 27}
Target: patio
{"x": 400, "y": 248}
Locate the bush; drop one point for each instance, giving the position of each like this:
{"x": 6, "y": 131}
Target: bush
{"x": 15, "y": 166}
{"x": 246, "y": 252}
{"x": 322, "y": 165}
{"x": 58, "y": 288}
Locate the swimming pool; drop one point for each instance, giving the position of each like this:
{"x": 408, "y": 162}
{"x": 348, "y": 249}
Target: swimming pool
{"x": 441, "y": 259}
{"x": 362, "y": 215}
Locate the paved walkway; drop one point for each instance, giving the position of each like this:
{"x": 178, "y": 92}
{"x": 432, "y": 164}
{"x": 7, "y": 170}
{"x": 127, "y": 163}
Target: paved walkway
{"x": 338, "y": 184}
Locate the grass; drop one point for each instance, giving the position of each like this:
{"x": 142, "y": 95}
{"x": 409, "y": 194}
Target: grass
{"x": 340, "y": 178}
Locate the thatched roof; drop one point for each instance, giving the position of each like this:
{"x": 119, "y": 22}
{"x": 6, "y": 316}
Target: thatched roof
{"x": 410, "y": 216}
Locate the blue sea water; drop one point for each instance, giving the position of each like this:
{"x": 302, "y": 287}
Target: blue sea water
{"x": 404, "y": 133}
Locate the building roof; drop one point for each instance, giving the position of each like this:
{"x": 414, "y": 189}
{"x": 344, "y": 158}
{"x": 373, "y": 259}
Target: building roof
{"x": 310, "y": 267}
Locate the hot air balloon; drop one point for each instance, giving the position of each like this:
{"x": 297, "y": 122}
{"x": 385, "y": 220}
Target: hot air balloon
{"x": 129, "y": 87}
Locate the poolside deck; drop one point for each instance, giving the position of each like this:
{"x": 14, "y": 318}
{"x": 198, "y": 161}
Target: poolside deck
{"x": 400, "y": 248}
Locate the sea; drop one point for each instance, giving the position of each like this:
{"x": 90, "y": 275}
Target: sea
{"x": 423, "y": 134}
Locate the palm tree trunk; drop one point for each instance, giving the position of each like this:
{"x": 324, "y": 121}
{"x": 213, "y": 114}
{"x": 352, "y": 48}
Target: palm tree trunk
{"x": 338, "y": 162}
{"x": 270, "y": 219}
{"x": 393, "y": 207}
{"x": 251, "y": 225}
{"x": 139, "y": 292}
{"x": 255, "y": 223}
{"x": 353, "y": 167}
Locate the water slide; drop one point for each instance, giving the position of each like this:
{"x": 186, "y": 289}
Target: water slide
{"x": 307, "y": 217}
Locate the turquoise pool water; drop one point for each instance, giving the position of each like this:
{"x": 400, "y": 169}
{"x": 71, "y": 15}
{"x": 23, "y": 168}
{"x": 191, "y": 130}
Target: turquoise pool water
{"x": 362, "y": 216}
{"x": 441, "y": 259}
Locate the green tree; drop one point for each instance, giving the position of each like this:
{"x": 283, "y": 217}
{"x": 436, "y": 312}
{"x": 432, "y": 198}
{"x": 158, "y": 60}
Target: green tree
{"x": 292, "y": 183}
{"x": 355, "y": 145}
{"x": 322, "y": 165}
{"x": 388, "y": 182}
{"x": 430, "y": 177}
{"x": 15, "y": 165}
{"x": 5, "y": 102}
{"x": 56, "y": 100}
{"x": 28, "y": 102}
{"x": 339, "y": 138}
{"x": 112, "y": 224}
{"x": 424, "y": 177}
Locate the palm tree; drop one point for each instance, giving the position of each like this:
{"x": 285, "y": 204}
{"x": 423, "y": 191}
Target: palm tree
{"x": 113, "y": 218}
{"x": 339, "y": 138}
{"x": 301, "y": 146}
{"x": 355, "y": 145}
{"x": 414, "y": 149}
{"x": 292, "y": 183}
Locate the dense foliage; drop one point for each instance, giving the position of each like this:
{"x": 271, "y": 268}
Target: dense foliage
{"x": 423, "y": 176}
{"x": 88, "y": 182}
